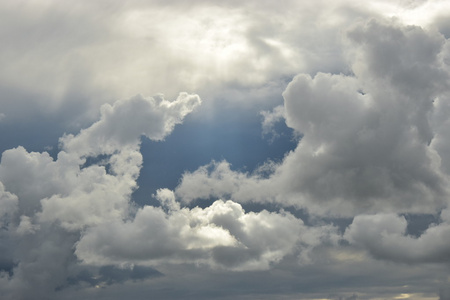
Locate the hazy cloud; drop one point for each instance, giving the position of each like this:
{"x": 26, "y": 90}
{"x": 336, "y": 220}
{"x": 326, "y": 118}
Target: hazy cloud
{"x": 270, "y": 118}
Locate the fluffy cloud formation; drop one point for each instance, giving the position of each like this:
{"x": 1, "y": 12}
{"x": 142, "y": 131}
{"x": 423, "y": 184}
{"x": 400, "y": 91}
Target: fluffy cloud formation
{"x": 367, "y": 139}
{"x": 122, "y": 124}
{"x": 82, "y": 202}
{"x": 340, "y": 217}
{"x": 66, "y": 189}
{"x": 46, "y": 202}
{"x": 384, "y": 237}
{"x": 221, "y": 235}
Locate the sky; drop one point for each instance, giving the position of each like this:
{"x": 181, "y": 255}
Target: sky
{"x": 225, "y": 149}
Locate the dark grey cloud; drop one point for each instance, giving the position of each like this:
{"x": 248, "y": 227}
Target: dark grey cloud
{"x": 109, "y": 275}
{"x": 444, "y": 294}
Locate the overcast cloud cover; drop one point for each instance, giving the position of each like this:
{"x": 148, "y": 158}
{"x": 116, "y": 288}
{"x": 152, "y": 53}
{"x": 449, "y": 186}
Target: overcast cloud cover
{"x": 225, "y": 150}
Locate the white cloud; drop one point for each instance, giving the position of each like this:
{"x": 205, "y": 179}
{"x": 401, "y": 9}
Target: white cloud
{"x": 366, "y": 137}
{"x": 62, "y": 197}
{"x": 79, "y": 196}
{"x": 123, "y": 123}
{"x": 100, "y": 194}
{"x": 43, "y": 176}
{"x": 370, "y": 100}
{"x": 384, "y": 237}
{"x": 222, "y": 235}
{"x": 217, "y": 180}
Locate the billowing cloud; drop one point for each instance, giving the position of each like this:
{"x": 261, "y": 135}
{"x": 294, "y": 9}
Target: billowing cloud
{"x": 222, "y": 235}
{"x": 89, "y": 183}
{"x": 384, "y": 236}
{"x": 122, "y": 124}
{"x": 355, "y": 206}
{"x": 366, "y": 138}
{"x": 66, "y": 188}
{"x": 83, "y": 200}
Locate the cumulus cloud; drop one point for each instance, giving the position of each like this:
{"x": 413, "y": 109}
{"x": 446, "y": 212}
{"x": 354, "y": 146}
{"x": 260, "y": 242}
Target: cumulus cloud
{"x": 367, "y": 138}
{"x": 66, "y": 189}
{"x": 89, "y": 183}
{"x": 33, "y": 176}
{"x": 122, "y": 124}
{"x": 82, "y": 201}
{"x": 222, "y": 235}
{"x": 384, "y": 236}
{"x": 370, "y": 103}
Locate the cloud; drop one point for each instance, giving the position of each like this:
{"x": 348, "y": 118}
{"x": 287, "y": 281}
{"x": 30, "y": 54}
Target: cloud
{"x": 270, "y": 118}
{"x": 123, "y": 123}
{"x": 82, "y": 201}
{"x": 367, "y": 139}
{"x": 89, "y": 183}
{"x": 8, "y": 204}
{"x": 217, "y": 180}
{"x": 109, "y": 275}
{"x": 66, "y": 189}
{"x": 43, "y": 176}
{"x": 384, "y": 237}
{"x": 222, "y": 235}
{"x": 62, "y": 62}
{"x": 369, "y": 101}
